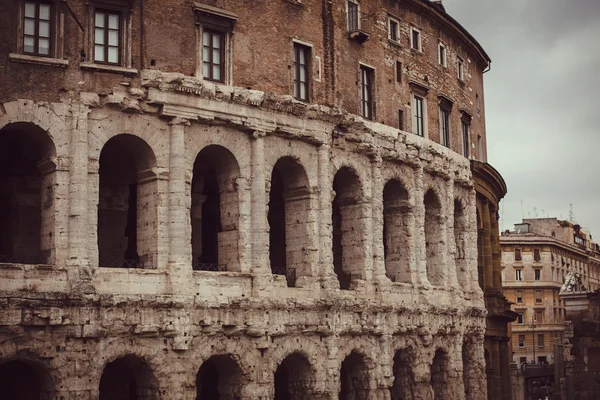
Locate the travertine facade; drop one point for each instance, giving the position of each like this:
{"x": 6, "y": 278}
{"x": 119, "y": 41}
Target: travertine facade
{"x": 165, "y": 236}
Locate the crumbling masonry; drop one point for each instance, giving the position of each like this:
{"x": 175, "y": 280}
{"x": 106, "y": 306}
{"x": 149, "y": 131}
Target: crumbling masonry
{"x": 163, "y": 236}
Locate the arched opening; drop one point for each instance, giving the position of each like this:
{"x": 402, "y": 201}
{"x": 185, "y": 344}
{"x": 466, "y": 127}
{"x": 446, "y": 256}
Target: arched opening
{"x": 354, "y": 378}
{"x": 396, "y": 234}
{"x": 439, "y": 375}
{"x": 24, "y": 381}
{"x": 433, "y": 239}
{"x": 460, "y": 232}
{"x": 215, "y": 210}
{"x": 289, "y": 204}
{"x": 127, "y": 378}
{"x": 219, "y": 378}
{"x": 294, "y": 378}
{"x": 404, "y": 378}
{"x": 127, "y": 208}
{"x": 27, "y": 181}
{"x": 348, "y": 227}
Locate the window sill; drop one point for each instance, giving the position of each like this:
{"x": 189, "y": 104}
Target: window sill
{"x": 416, "y": 51}
{"x": 108, "y": 68}
{"x": 47, "y": 61}
{"x": 394, "y": 43}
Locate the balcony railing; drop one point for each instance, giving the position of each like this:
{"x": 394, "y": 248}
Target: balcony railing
{"x": 198, "y": 266}
{"x": 358, "y": 24}
{"x": 289, "y": 273}
{"x": 130, "y": 264}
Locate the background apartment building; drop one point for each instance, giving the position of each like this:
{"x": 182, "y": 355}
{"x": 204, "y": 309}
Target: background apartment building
{"x": 536, "y": 257}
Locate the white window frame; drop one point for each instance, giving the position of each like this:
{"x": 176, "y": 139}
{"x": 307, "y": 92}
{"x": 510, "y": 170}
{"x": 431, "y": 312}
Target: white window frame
{"x": 518, "y": 275}
{"x": 389, "y": 25}
{"x": 310, "y": 68}
{"x": 442, "y": 61}
{"x": 522, "y": 344}
{"x": 125, "y": 45}
{"x": 460, "y": 68}
{"x": 419, "y": 46}
{"x": 520, "y": 316}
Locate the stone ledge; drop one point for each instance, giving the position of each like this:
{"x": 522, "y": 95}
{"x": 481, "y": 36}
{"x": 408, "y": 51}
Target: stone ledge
{"x": 47, "y": 61}
{"x": 108, "y": 68}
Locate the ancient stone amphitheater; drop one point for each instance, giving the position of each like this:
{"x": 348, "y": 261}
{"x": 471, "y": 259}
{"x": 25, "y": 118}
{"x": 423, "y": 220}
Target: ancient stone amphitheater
{"x": 240, "y": 200}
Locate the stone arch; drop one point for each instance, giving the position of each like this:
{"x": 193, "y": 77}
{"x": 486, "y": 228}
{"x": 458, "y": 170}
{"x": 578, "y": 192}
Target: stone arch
{"x": 461, "y": 230}
{"x": 289, "y": 207}
{"x": 294, "y": 378}
{"x": 348, "y": 225}
{"x": 215, "y": 210}
{"x": 25, "y": 380}
{"x": 220, "y": 377}
{"x": 27, "y": 194}
{"x": 127, "y": 204}
{"x": 434, "y": 244}
{"x": 396, "y": 231}
{"x": 128, "y": 377}
{"x": 404, "y": 378}
{"x": 439, "y": 380}
{"x": 471, "y": 368}
{"x": 355, "y": 381}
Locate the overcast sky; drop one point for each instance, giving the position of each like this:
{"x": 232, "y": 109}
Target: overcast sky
{"x": 542, "y": 99}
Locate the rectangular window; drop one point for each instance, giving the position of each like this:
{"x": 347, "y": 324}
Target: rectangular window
{"x": 415, "y": 39}
{"x": 537, "y": 273}
{"x": 518, "y": 275}
{"x": 213, "y": 55}
{"x": 353, "y": 16}
{"x": 520, "y": 318}
{"x": 465, "y": 136}
{"x": 480, "y": 148}
{"x": 393, "y": 29}
{"x": 460, "y": 65}
{"x": 398, "y": 72}
{"x": 541, "y": 340}
{"x": 518, "y": 255}
{"x": 107, "y": 37}
{"x": 521, "y": 340}
{"x": 539, "y": 317}
{"x": 445, "y": 126}
{"x": 519, "y": 296}
{"x": 366, "y": 92}
{"x": 401, "y": 120}
{"x": 301, "y": 71}
{"x": 442, "y": 59}
{"x": 536, "y": 255}
{"x": 538, "y": 297}
{"x": 418, "y": 116}
{"x": 37, "y": 28}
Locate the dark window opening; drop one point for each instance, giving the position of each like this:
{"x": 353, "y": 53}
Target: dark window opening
{"x": 398, "y": 72}
{"x": 401, "y": 120}
{"x": 294, "y": 378}
{"x": 416, "y": 39}
{"x": 353, "y": 16}
{"x": 127, "y": 378}
{"x": 393, "y": 29}
{"x": 465, "y": 137}
{"x": 37, "y": 28}
{"x": 396, "y": 237}
{"x": 219, "y": 377}
{"x": 433, "y": 239}
{"x": 518, "y": 255}
{"x": 404, "y": 381}
{"x": 366, "y": 92}
{"x": 211, "y": 219}
{"x": 276, "y": 219}
{"x": 439, "y": 375}
{"x": 538, "y": 274}
{"x": 354, "y": 378}
{"x": 21, "y": 381}
{"x": 418, "y": 116}
{"x": 536, "y": 255}
{"x": 445, "y": 126}
{"x": 302, "y": 59}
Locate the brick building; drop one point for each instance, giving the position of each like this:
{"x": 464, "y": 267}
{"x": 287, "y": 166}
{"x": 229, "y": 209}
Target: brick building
{"x": 244, "y": 200}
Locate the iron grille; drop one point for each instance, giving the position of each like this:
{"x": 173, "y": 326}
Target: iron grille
{"x": 198, "y": 266}
{"x": 134, "y": 264}
{"x": 289, "y": 273}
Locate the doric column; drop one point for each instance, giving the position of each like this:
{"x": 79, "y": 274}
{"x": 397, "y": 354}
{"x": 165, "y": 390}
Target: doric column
{"x": 179, "y": 261}
{"x": 418, "y": 244}
{"x": 377, "y": 220}
{"x": 327, "y": 274}
{"x": 78, "y": 192}
{"x": 259, "y": 238}
{"x": 452, "y": 273}
{"x": 487, "y": 246}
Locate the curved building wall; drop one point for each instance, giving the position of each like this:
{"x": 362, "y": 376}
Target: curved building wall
{"x": 170, "y": 237}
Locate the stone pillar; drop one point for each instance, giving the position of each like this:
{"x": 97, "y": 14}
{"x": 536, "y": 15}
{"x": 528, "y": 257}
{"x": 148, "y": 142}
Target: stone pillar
{"x": 452, "y": 273}
{"x": 377, "y": 220}
{"x": 496, "y": 256}
{"x": 418, "y": 244}
{"x": 180, "y": 267}
{"x": 328, "y": 277}
{"x": 259, "y": 236}
{"x": 486, "y": 246}
{"x": 78, "y": 194}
